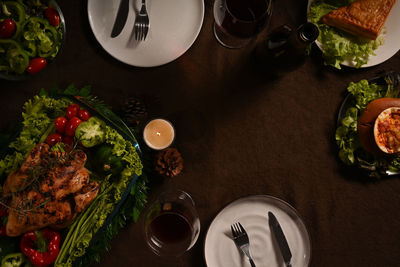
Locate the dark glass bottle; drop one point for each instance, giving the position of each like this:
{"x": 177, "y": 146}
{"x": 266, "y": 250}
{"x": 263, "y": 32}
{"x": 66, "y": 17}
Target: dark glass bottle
{"x": 285, "y": 49}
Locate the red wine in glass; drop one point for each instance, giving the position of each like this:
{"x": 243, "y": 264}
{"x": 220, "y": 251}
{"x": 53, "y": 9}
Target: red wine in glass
{"x": 171, "y": 224}
{"x": 237, "y": 21}
{"x": 171, "y": 230}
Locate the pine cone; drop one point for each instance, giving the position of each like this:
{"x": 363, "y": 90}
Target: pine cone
{"x": 169, "y": 162}
{"x": 134, "y": 111}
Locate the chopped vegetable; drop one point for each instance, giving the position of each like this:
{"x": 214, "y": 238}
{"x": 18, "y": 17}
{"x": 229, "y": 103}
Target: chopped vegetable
{"x": 339, "y": 46}
{"x": 12, "y": 57}
{"x": 15, "y": 260}
{"x": 27, "y": 40}
{"x": 48, "y": 246}
{"x": 91, "y": 132}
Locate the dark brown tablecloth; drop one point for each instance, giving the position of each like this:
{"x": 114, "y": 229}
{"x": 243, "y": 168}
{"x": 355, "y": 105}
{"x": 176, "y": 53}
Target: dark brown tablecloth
{"x": 240, "y": 133}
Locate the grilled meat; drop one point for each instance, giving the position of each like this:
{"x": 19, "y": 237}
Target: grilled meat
{"x": 48, "y": 190}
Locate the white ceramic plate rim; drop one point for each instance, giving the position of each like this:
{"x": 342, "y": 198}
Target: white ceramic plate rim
{"x": 229, "y": 205}
{"x": 161, "y": 62}
{"x": 380, "y": 56}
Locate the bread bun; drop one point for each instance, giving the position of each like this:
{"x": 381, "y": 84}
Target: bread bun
{"x": 367, "y": 121}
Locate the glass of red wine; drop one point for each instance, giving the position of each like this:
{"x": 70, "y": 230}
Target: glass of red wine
{"x": 238, "y": 21}
{"x": 171, "y": 224}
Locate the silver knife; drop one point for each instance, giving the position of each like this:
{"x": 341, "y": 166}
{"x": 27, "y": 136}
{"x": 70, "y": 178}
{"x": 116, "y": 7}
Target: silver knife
{"x": 121, "y": 18}
{"x": 280, "y": 239}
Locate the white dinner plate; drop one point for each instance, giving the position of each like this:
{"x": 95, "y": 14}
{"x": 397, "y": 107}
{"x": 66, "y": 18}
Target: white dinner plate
{"x": 252, "y": 213}
{"x": 174, "y": 26}
{"x": 391, "y": 33}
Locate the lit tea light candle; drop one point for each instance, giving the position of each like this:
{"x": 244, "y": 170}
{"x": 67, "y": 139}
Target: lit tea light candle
{"x": 159, "y": 134}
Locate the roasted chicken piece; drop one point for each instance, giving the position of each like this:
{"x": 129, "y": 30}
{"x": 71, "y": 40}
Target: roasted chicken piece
{"x": 363, "y": 18}
{"x": 48, "y": 190}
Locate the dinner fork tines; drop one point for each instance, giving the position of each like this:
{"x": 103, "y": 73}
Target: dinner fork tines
{"x": 242, "y": 240}
{"x": 142, "y": 23}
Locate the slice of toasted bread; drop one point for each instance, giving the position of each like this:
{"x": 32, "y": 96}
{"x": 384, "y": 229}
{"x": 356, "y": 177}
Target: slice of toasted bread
{"x": 363, "y": 18}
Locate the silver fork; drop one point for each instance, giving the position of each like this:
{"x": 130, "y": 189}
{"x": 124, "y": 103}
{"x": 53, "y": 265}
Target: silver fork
{"x": 142, "y": 23}
{"x": 242, "y": 240}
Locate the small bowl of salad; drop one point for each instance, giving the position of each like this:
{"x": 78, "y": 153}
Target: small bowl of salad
{"x": 32, "y": 34}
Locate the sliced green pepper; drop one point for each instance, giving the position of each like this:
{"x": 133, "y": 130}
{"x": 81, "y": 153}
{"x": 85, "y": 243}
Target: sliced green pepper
{"x": 17, "y": 58}
{"x": 41, "y": 38}
{"x": 91, "y": 132}
{"x": 15, "y": 260}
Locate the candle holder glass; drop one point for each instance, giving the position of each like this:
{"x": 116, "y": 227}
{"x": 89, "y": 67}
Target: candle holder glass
{"x": 159, "y": 134}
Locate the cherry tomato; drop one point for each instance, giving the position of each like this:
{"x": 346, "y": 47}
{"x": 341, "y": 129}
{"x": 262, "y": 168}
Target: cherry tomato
{"x": 36, "y": 64}
{"x": 60, "y": 123}
{"x": 53, "y": 139}
{"x": 83, "y": 114}
{"x": 72, "y": 111}
{"x": 52, "y": 16}
{"x": 2, "y": 230}
{"x": 71, "y": 126}
{"x": 7, "y": 28}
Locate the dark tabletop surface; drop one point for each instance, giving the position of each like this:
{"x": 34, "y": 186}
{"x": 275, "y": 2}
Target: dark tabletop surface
{"x": 240, "y": 133}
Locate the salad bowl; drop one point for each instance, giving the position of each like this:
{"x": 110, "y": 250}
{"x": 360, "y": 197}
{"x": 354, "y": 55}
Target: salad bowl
{"x": 47, "y": 15}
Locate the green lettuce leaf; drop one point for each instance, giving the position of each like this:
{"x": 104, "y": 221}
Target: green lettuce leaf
{"x": 365, "y": 92}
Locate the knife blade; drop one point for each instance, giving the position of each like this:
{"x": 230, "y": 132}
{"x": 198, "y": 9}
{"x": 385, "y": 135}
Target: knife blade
{"x": 280, "y": 238}
{"x": 121, "y": 18}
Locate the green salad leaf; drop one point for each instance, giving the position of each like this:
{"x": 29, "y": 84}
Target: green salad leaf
{"x": 339, "y": 46}
{"x": 364, "y": 92}
{"x": 40, "y": 38}
{"x": 346, "y": 136}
